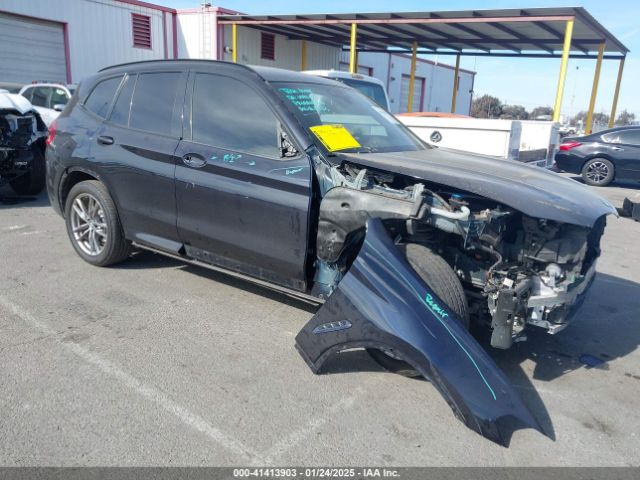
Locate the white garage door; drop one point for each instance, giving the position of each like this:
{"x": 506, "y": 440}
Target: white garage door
{"x": 418, "y": 92}
{"x": 31, "y": 50}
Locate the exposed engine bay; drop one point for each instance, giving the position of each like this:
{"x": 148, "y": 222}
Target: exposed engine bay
{"x": 515, "y": 269}
{"x": 21, "y": 132}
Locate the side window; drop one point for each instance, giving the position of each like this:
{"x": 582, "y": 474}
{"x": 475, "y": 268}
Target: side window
{"x": 229, "y": 114}
{"x": 40, "y": 97}
{"x": 122, "y": 107}
{"x": 631, "y": 137}
{"x": 153, "y": 102}
{"x": 28, "y": 93}
{"x": 100, "y": 98}
{"x": 58, "y": 97}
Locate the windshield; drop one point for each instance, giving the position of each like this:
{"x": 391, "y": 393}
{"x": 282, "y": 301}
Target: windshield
{"x": 345, "y": 120}
{"x": 372, "y": 90}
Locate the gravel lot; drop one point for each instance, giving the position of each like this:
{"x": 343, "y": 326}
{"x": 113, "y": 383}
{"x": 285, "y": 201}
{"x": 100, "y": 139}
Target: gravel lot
{"x": 158, "y": 363}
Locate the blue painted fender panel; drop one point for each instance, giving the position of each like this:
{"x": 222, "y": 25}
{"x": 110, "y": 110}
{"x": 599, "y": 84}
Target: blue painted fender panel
{"x": 381, "y": 301}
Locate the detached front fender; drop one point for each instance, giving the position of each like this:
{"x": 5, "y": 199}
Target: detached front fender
{"x": 382, "y": 302}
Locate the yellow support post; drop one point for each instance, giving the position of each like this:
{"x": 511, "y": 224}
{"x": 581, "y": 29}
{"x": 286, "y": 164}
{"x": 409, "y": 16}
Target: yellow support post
{"x": 594, "y": 90}
{"x": 303, "y": 55}
{"x": 568, "y": 32}
{"x": 456, "y": 81}
{"x": 412, "y": 76}
{"x": 614, "y": 106}
{"x": 234, "y": 43}
{"x": 353, "y": 66}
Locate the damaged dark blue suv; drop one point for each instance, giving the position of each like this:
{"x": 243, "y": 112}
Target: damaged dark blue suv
{"x": 305, "y": 185}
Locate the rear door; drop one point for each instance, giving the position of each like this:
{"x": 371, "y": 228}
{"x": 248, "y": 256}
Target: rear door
{"x": 240, "y": 204}
{"x": 136, "y": 149}
{"x": 624, "y": 147}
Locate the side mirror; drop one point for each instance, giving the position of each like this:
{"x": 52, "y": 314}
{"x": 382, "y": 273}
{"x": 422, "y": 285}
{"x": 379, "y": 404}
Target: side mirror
{"x": 58, "y": 107}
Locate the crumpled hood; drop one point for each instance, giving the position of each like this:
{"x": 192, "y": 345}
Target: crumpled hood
{"x": 13, "y": 101}
{"x": 531, "y": 190}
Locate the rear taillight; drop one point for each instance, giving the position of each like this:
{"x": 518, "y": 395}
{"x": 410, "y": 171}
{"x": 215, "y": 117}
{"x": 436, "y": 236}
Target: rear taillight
{"x": 52, "y": 133}
{"x": 569, "y": 145}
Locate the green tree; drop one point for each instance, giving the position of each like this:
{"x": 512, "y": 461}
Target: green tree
{"x": 514, "y": 112}
{"x": 486, "y": 106}
{"x": 540, "y": 111}
{"x": 626, "y": 118}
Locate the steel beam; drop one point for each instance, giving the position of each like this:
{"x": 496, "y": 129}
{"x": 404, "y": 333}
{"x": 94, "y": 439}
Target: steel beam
{"x": 594, "y": 90}
{"x": 568, "y": 33}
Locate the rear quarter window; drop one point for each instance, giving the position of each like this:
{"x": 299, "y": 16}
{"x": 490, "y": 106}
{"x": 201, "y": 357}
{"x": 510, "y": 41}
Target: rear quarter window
{"x": 100, "y": 98}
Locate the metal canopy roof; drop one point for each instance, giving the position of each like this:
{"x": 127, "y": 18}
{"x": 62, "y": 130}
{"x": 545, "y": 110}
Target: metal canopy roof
{"x": 533, "y": 32}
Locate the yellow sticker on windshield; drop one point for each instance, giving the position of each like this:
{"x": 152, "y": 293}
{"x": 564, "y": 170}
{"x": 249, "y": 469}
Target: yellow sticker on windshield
{"x": 335, "y": 137}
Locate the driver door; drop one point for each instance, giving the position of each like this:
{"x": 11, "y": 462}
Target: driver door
{"x": 240, "y": 205}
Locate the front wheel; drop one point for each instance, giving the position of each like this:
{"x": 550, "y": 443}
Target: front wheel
{"x": 598, "y": 172}
{"x": 93, "y": 225}
{"x": 440, "y": 278}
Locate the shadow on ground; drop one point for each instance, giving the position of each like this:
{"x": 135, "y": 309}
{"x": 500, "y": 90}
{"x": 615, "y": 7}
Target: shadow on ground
{"x": 8, "y": 199}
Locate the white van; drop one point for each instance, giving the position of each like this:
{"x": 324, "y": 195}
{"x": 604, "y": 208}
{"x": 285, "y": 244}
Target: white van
{"x": 369, "y": 86}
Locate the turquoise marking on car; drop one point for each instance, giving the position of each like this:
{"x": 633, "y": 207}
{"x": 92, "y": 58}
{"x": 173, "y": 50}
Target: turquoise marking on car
{"x": 437, "y": 315}
{"x": 231, "y": 157}
{"x": 213, "y": 157}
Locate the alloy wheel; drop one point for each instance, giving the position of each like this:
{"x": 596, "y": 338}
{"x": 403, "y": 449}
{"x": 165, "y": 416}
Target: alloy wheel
{"x": 597, "y": 172}
{"x": 88, "y": 224}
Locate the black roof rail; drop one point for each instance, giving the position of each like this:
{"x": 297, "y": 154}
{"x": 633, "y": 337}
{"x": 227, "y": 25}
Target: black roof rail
{"x": 163, "y": 60}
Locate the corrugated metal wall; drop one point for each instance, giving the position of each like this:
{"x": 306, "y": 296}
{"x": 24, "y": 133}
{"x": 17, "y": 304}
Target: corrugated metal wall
{"x": 99, "y": 30}
{"x": 287, "y": 52}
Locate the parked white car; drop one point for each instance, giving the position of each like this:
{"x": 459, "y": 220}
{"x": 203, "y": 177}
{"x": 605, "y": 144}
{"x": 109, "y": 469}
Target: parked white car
{"x": 369, "y": 86}
{"x": 49, "y": 99}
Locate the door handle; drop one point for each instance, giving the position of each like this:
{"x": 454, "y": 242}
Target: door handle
{"x": 194, "y": 160}
{"x": 104, "y": 140}
{"x": 617, "y": 149}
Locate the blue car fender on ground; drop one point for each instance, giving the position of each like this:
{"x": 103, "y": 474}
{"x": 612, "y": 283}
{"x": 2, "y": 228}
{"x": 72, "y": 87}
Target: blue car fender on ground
{"x": 382, "y": 302}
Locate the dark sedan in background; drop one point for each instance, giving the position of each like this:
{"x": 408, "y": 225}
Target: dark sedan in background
{"x": 602, "y": 157}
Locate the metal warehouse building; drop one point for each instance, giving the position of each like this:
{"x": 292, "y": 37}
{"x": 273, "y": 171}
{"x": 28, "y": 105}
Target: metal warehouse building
{"x": 66, "y": 40}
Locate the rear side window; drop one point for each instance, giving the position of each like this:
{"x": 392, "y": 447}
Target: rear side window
{"x": 122, "y": 107}
{"x": 58, "y": 97}
{"x": 100, "y": 98}
{"x": 153, "y": 102}
{"x": 40, "y": 97}
{"x": 229, "y": 114}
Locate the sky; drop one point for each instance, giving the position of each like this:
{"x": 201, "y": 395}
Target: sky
{"x": 526, "y": 82}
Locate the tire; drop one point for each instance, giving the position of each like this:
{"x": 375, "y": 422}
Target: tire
{"x": 32, "y": 183}
{"x": 598, "y": 172}
{"x": 439, "y": 276}
{"x": 93, "y": 225}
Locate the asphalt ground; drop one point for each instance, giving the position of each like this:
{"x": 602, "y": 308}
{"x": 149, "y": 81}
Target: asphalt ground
{"x": 155, "y": 362}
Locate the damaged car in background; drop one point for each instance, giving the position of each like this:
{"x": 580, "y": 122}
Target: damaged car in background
{"x": 306, "y": 186}
{"x": 22, "y": 144}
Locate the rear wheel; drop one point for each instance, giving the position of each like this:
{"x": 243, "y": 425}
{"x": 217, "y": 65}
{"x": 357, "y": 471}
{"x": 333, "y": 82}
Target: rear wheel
{"x": 598, "y": 172}
{"x": 439, "y": 276}
{"x": 93, "y": 225}
{"x": 33, "y": 182}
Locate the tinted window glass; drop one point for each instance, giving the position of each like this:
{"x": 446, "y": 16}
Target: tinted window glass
{"x": 630, "y": 136}
{"x": 153, "y": 101}
{"x": 58, "y": 97}
{"x": 28, "y": 93}
{"x": 229, "y": 114}
{"x": 100, "y": 98}
{"x": 372, "y": 90}
{"x": 40, "y": 97}
{"x": 120, "y": 112}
